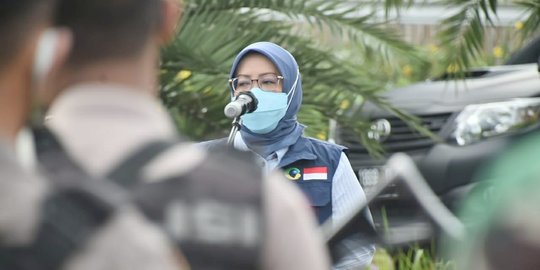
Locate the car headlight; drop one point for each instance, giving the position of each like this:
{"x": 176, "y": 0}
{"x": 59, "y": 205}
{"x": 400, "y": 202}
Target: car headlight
{"x": 480, "y": 121}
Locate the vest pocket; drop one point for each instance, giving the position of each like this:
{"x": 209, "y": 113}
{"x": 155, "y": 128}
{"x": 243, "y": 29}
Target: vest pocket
{"x": 319, "y": 193}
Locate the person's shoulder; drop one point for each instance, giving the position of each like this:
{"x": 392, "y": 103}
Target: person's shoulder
{"x": 215, "y": 144}
{"x": 326, "y": 144}
{"x": 192, "y": 158}
{"x": 218, "y": 150}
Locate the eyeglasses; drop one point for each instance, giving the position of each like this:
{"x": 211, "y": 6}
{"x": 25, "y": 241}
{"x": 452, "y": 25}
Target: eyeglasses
{"x": 267, "y": 82}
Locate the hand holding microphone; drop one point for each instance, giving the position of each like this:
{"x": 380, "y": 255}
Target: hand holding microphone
{"x": 244, "y": 103}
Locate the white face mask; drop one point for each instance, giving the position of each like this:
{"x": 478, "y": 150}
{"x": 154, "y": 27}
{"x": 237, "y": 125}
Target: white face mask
{"x": 42, "y": 66}
{"x": 271, "y": 108}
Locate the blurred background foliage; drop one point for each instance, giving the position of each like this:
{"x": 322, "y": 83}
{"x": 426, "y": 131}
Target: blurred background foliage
{"x": 346, "y": 57}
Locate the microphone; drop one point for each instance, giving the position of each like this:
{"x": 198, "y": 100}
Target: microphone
{"x": 245, "y": 103}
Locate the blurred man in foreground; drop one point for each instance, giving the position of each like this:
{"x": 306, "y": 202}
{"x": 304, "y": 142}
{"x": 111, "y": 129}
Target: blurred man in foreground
{"x": 111, "y": 122}
{"x": 41, "y": 225}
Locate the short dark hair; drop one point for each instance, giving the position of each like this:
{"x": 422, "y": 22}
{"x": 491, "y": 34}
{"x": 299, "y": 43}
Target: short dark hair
{"x": 18, "y": 18}
{"x": 107, "y": 29}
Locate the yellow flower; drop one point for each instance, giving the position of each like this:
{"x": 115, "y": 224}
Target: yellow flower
{"x": 207, "y": 91}
{"x": 407, "y": 70}
{"x": 452, "y": 68}
{"x": 345, "y": 104}
{"x": 183, "y": 75}
{"x": 519, "y": 25}
{"x": 498, "y": 52}
{"x": 321, "y": 136}
{"x": 433, "y": 48}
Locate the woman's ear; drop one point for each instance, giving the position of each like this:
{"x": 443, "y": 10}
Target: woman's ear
{"x": 171, "y": 12}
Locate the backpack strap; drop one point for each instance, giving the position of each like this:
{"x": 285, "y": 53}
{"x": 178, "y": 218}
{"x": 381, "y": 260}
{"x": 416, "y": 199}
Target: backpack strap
{"x": 70, "y": 215}
{"x": 69, "y": 218}
{"x": 64, "y": 173}
{"x": 126, "y": 174}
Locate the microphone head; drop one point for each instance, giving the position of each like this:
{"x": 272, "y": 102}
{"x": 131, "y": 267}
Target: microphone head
{"x": 233, "y": 110}
{"x": 244, "y": 103}
{"x": 251, "y": 101}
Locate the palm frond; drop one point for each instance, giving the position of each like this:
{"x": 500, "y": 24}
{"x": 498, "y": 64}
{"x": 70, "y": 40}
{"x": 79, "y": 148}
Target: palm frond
{"x": 463, "y": 32}
{"x": 341, "y": 18}
{"x": 212, "y": 32}
{"x": 396, "y": 5}
{"x": 532, "y": 23}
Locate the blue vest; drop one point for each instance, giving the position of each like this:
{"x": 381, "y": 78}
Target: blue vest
{"x": 311, "y": 164}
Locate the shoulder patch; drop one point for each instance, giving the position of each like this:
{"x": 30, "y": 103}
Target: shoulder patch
{"x": 293, "y": 173}
{"x": 316, "y": 173}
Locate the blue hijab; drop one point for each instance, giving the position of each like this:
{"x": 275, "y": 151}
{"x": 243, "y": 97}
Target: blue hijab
{"x": 288, "y": 129}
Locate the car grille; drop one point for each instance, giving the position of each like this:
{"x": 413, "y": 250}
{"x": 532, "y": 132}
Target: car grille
{"x": 402, "y": 137}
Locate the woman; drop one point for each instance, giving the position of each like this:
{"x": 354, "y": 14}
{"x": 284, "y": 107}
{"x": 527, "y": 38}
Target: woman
{"x": 320, "y": 169}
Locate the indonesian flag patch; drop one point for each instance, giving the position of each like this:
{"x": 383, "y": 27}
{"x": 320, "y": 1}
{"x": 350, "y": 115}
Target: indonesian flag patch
{"x": 316, "y": 173}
